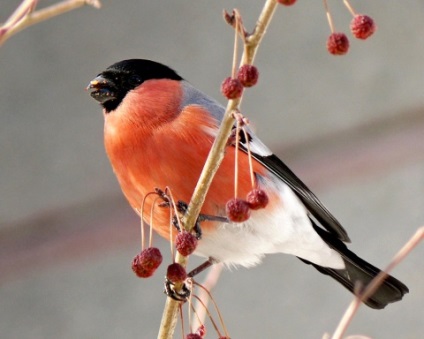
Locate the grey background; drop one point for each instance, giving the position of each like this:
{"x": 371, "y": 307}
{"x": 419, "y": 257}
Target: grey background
{"x": 352, "y": 127}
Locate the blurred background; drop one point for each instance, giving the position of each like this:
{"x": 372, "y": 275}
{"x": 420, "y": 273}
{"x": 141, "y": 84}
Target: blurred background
{"x": 351, "y": 127}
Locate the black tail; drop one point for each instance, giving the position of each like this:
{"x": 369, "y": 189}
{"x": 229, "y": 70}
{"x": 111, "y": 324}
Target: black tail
{"x": 358, "y": 269}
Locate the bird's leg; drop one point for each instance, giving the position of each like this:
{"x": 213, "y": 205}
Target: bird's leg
{"x": 185, "y": 291}
{"x": 208, "y": 263}
{"x": 182, "y": 208}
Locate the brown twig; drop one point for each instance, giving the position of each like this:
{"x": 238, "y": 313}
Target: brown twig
{"x": 215, "y": 157}
{"x": 26, "y": 15}
{"x": 376, "y": 282}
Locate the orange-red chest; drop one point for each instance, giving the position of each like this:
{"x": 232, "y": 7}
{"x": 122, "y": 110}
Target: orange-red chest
{"x": 152, "y": 142}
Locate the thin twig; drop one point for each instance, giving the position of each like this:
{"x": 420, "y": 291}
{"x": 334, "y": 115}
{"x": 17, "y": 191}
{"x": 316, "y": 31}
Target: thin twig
{"x": 25, "y": 16}
{"x": 235, "y": 53}
{"x": 215, "y": 157}
{"x": 23, "y": 10}
{"x": 376, "y": 282}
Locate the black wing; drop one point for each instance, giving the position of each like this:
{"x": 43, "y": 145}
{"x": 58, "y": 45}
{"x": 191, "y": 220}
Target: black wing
{"x": 311, "y": 202}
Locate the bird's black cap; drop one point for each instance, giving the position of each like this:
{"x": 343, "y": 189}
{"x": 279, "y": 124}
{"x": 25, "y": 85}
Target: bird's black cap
{"x": 111, "y": 86}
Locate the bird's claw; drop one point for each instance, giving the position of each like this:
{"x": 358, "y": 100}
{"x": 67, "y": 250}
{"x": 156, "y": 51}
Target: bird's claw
{"x": 182, "y": 208}
{"x": 182, "y": 295}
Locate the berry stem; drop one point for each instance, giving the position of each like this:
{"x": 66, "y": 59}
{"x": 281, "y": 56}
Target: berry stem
{"x": 221, "y": 320}
{"x": 209, "y": 284}
{"x": 142, "y": 218}
{"x": 142, "y": 225}
{"x": 329, "y": 18}
{"x": 209, "y": 315}
{"x": 171, "y": 236}
{"x": 349, "y": 7}
{"x": 196, "y": 314}
{"x": 152, "y": 210}
{"x": 236, "y": 159}
{"x": 190, "y": 303}
{"x": 235, "y": 53}
{"x": 174, "y": 208}
{"x": 249, "y": 154}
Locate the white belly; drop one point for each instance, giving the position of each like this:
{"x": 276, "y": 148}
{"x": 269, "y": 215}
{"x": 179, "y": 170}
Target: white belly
{"x": 286, "y": 230}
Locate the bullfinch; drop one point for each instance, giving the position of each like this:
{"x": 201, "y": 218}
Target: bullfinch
{"x": 158, "y": 130}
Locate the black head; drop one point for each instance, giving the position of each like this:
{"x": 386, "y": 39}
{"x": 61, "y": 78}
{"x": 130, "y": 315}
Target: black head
{"x": 111, "y": 86}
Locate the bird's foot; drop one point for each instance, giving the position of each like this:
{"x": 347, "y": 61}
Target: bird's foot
{"x": 182, "y": 208}
{"x": 182, "y": 295}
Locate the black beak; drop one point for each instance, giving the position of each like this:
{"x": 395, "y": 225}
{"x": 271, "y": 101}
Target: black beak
{"x": 102, "y": 89}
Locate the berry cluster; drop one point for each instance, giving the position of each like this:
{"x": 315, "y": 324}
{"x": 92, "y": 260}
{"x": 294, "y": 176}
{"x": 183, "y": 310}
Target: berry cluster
{"x": 238, "y": 210}
{"x": 247, "y": 76}
{"x": 149, "y": 259}
{"x": 362, "y": 27}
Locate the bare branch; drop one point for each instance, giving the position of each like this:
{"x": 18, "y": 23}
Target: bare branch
{"x": 25, "y": 15}
{"x": 215, "y": 157}
{"x": 376, "y": 282}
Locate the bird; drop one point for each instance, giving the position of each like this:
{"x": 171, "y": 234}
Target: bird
{"x": 158, "y": 131}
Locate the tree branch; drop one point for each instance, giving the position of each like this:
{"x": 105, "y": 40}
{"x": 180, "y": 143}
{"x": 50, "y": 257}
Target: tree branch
{"x": 25, "y": 16}
{"x": 376, "y": 282}
{"x": 215, "y": 157}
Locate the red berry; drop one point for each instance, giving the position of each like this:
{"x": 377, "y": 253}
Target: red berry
{"x": 338, "y": 43}
{"x": 257, "y": 199}
{"x": 193, "y": 336}
{"x": 146, "y": 263}
{"x": 248, "y": 75}
{"x": 176, "y": 273}
{"x": 237, "y": 210}
{"x": 231, "y": 88}
{"x": 287, "y": 2}
{"x": 185, "y": 243}
{"x": 362, "y": 26}
{"x": 201, "y": 331}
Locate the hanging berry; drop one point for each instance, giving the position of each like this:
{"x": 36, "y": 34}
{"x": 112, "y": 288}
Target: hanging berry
{"x": 146, "y": 263}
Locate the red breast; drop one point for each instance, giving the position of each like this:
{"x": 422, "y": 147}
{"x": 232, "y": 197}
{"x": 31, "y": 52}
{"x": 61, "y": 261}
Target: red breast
{"x": 153, "y": 142}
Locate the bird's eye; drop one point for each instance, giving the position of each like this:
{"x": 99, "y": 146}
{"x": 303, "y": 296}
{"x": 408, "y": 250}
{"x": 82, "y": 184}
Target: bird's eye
{"x": 135, "y": 80}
